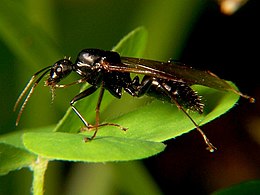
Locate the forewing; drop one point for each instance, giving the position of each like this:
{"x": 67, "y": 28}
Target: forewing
{"x": 172, "y": 71}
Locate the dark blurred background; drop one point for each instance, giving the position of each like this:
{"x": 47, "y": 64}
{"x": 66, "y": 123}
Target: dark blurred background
{"x": 191, "y": 31}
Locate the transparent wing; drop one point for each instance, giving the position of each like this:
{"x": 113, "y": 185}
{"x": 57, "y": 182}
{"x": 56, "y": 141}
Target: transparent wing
{"x": 173, "y": 71}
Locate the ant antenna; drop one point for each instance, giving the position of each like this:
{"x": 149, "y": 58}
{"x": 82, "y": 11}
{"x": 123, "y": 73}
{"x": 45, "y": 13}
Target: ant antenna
{"x": 46, "y": 69}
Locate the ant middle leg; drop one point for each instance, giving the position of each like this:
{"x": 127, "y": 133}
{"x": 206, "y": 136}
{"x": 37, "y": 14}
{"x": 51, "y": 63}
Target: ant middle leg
{"x": 88, "y": 126}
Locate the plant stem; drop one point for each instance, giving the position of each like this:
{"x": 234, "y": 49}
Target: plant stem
{"x": 39, "y": 169}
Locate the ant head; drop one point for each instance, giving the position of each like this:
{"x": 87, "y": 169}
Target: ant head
{"x": 58, "y": 71}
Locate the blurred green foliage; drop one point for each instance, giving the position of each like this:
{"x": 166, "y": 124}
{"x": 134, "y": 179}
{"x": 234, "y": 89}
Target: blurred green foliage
{"x": 34, "y": 34}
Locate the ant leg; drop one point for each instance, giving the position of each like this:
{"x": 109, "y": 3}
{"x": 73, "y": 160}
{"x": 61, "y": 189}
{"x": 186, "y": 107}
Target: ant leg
{"x": 145, "y": 85}
{"x": 83, "y": 94}
{"x": 139, "y": 89}
{"x": 101, "y": 93}
{"x": 210, "y": 147}
{"x": 70, "y": 84}
{"x": 110, "y": 124}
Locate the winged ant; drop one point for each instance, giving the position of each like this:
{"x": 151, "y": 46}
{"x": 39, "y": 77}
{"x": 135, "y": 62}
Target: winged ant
{"x": 168, "y": 81}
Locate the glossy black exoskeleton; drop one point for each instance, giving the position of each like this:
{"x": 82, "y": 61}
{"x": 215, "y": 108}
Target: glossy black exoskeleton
{"x": 168, "y": 81}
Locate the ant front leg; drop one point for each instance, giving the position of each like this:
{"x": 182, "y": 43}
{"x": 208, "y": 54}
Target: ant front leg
{"x": 70, "y": 84}
{"x": 80, "y": 96}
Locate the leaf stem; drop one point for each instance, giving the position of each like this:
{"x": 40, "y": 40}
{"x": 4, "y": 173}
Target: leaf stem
{"x": 39, "y": 169}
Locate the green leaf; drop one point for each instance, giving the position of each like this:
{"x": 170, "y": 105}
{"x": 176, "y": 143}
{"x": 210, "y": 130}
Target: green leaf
{"x": 153, "y": 120}
{"x": 133, "y": 44}
{"x": 67, "y": 146}
{"x": 249, "y": 187}
{"x": 13, "y": 154}
{"x": 12, "y": 158}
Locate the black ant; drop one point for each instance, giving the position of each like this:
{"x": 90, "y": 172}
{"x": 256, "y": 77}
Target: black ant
{"x": 168, "y": 81}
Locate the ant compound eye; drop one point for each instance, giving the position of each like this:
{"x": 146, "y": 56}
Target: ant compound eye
{"x": 59, "y": 69}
